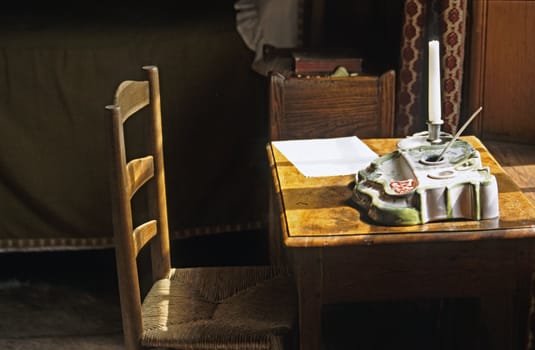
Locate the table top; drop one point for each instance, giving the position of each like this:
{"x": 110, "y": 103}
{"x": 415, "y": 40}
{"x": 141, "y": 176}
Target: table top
{"x": 319, "y": 211}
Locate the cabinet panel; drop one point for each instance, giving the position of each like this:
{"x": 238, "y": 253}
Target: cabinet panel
{"x": 509, "y": 75}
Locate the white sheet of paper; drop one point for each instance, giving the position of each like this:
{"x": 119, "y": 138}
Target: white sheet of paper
{"x": 328, "y": 156}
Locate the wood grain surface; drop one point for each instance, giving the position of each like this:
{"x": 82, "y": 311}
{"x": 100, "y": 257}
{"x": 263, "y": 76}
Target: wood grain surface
{"x": 318, "y": 211}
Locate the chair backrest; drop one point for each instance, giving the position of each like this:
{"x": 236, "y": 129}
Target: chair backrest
{"x": 312, "y": 107}
{"x": 129, "y": 176}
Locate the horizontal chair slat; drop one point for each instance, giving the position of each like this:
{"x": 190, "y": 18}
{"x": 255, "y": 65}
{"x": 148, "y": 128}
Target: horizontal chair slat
{"x": 139, "y": 171}
{"x": 132, "y": 96}
{"x": 143, "y": 233}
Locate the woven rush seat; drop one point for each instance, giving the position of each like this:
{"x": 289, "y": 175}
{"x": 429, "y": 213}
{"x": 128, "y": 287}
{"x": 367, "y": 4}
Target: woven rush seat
{"x": 241, "y": 307}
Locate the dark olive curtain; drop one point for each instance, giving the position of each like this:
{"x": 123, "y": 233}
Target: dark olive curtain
{"x": 58, "y": 69}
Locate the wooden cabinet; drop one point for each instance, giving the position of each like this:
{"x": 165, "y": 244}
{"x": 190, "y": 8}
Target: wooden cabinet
{"x": 502, "y": 74}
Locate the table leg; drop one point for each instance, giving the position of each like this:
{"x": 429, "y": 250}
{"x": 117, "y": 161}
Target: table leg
{"x": 497, "y": 322}
{"x": 309, "y": 284}
{"x": 522, "y": 308}
{"x": 505, "y": 319}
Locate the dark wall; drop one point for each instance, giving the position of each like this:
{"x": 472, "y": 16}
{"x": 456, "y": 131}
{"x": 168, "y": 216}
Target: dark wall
{"x": 371, "y": 27}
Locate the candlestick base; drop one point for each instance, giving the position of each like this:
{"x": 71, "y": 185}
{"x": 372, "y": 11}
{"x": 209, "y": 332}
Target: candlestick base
{"x": 434, "y": 135}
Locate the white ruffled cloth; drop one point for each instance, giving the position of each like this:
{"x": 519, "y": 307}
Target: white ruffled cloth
{"x": 273, "y": 22}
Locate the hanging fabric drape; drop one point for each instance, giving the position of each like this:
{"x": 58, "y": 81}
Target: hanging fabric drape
{"x": 424, "y": 20}
{"x": 272, "y": 22}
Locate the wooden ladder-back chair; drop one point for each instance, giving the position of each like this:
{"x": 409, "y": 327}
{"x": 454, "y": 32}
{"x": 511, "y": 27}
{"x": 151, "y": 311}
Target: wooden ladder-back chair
{"x": 239, "y": 307}
{"x": 315, "y": 107}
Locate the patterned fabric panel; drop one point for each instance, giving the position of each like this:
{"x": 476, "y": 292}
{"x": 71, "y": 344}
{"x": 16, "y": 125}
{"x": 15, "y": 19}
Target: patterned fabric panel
{"x": 411, "y": 116}
{"x": 412, "y": 82}
{"x": 453, "y": 42}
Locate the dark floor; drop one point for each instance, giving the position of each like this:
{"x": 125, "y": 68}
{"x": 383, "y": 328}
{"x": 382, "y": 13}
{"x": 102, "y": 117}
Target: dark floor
{"x": 421, "y": 324}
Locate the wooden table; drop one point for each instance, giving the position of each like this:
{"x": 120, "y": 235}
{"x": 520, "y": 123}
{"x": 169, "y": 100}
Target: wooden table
{"x": 338, "y": 255}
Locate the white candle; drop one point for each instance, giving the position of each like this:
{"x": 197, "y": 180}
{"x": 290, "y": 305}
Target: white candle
{"x": 434, "y": 107}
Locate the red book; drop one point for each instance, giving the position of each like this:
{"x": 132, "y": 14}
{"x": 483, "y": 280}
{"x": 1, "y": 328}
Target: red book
{"x": 311, "y": 62}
